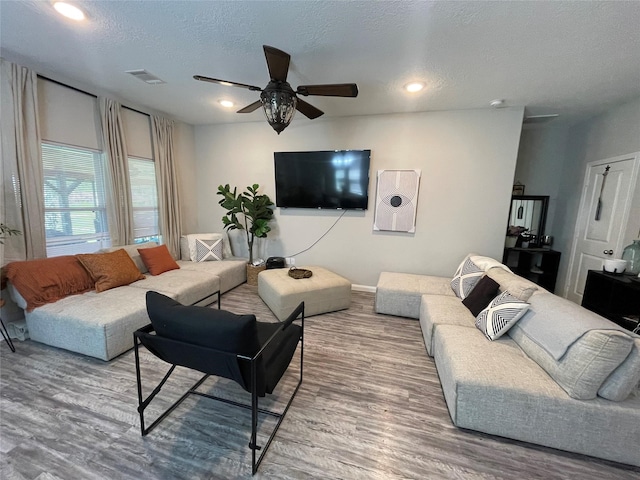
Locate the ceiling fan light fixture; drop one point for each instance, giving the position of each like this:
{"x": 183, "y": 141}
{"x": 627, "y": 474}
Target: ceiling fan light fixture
{"x": 279, "y": 107}
{"x": 69, "y": 11}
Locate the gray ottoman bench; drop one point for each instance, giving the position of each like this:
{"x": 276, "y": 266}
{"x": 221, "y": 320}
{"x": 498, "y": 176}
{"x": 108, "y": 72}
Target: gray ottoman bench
{"x": 324, "y": 292}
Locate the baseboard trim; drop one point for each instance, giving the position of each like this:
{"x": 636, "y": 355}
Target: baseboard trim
{"x": 363, "y": 288}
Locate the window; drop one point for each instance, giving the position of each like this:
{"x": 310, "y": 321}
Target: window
{"x": 144, "y": 197}
{"x": 74, "y": 200}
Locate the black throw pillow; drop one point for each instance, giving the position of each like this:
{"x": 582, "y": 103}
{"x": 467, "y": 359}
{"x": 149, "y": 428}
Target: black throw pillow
{"x": 484, "y": 291}
{"x": 204, "y": 326}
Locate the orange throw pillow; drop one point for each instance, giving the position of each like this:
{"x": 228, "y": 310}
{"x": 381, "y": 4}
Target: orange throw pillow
{"x": 158, "y": 259}
{"x": 110, "y": 270}
{"x": 48, "y": 280}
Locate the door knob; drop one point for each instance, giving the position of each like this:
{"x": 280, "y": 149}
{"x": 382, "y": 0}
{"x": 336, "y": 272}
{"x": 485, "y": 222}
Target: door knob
{"x": 608, "y": 252}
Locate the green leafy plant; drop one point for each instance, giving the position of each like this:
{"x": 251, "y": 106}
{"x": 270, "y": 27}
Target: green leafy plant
{"x": 248, "y": 211}
{"x": 6, "y": 231}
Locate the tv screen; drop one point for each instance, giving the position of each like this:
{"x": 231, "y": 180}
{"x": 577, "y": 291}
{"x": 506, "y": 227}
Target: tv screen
{"x": 335, "y": 179}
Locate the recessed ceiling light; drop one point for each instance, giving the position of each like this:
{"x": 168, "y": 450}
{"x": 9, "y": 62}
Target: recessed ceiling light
{"x": 414, "y": 87}
{"x": 226, "y": 103}
{"x": 69, "y": 11}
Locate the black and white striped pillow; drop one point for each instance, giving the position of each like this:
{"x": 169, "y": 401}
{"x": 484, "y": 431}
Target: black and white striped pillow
{"x": 466, "y": 277}
{"x": 501, "y": 314}
{"x": 208, "y": 250}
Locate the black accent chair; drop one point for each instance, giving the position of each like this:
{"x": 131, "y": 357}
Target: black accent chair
{"x": 216, "y": 342}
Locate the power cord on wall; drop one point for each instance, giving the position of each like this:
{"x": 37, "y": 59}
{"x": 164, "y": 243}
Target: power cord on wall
{"x": 321, "y": 237}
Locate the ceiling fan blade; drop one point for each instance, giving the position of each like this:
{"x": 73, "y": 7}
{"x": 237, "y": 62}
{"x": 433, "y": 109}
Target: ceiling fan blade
{"x": 226, "y": 83}
{"x": 334, "y": 90}
{"x": 250, "y": 108}
{"x": 277, "y": 62}
{"x": 308, "y": 110}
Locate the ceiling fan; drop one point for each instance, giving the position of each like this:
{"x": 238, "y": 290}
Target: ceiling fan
{"x": 278, "y": 99}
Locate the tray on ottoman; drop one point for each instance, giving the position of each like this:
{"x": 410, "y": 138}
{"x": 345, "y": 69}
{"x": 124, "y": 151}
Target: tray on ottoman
{"x": 323, "y": 292}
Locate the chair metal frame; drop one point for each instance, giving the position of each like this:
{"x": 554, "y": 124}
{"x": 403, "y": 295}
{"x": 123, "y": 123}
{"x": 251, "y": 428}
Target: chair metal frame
{"x": 143, "y": 403}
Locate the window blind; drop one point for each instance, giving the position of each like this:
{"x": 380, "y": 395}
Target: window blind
{"x": 74, "y": 200}
{"x": 144, "y": 196}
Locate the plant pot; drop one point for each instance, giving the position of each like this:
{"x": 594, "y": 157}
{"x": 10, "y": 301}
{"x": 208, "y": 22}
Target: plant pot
{"x": 510, "y": 242}
{"x": 252, "y": 273}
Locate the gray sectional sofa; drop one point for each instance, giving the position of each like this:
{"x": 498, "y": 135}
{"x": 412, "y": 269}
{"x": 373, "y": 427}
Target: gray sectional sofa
{"x": 561, "y": 377}
{"x": 101, "y": 324}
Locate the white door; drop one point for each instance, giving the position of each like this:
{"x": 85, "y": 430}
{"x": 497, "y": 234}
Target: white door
{"x": 599, "y": 237}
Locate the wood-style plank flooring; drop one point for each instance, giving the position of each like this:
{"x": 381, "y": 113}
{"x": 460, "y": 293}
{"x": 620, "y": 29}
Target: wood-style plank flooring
{"x": 370, "y": 407}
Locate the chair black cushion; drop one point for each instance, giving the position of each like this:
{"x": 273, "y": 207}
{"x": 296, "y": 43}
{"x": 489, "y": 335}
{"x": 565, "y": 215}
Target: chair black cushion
{"x": 277, "y": 355}
{"x": 208, "y": 340}
{"x": 207, "y": 327}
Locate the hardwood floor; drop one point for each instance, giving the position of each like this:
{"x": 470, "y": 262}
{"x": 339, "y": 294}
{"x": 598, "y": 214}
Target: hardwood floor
{"x": 370, "y": 407}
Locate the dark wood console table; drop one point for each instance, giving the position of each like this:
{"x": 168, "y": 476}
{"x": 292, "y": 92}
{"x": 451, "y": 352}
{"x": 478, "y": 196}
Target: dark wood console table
{"x": 616, "y": 297}
{"x": 540, "y": 265}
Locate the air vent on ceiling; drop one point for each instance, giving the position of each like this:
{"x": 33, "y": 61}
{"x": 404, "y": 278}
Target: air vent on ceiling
{"x": 145, "y": 76}
{"x": 538, "y": 119}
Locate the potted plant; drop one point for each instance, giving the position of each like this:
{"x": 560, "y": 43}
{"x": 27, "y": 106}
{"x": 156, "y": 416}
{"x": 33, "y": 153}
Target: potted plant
{"x": 6, "y": 231}
{"x": 248, "y": 211}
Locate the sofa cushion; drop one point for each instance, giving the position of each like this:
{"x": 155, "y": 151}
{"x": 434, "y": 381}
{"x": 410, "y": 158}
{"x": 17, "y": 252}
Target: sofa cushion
{"x": 133, "y": 252}
{"x": 110, "y": 270}
{"x": 493, "y": 387}
{"x": 586, "y": 364}
{"x": 48, "y": 280}
{"x": 500, "y": 315}
{"x": 555, "y": 323}
{"x": 184, "y": 286}
{"x": 97, "y": 324}
{"x": 465, "y": 278}
{"x": 231, "y": 272}
{"x": 399, "y": 293}
{"x": 436, "y": 310}
{"x": 158, "y": 259}
{"x": 509, "y": 282}
{"x": 624, "y": 379}
{"x": 485, "y": 291}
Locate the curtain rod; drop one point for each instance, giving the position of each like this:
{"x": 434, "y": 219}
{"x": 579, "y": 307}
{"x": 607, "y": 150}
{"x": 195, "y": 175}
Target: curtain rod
{"x": 85, "y": 92}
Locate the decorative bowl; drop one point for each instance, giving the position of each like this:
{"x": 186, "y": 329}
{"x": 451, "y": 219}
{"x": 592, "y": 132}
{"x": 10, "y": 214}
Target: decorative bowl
{"x": 615, "y": 266}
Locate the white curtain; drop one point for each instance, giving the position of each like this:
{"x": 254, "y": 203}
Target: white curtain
{"x": 168, "y": 201}
{"x": 115, "y": 147}
{"x": 21, "y": 173}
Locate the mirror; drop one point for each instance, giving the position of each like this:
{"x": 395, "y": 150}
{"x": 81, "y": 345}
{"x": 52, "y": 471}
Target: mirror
{"x": 530, "y": 212}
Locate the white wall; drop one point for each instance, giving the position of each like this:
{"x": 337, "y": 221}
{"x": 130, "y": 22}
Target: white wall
{"x": 616, "y": 132}
{"x": 467, "y": 160}
{"x": 540, "y": 164}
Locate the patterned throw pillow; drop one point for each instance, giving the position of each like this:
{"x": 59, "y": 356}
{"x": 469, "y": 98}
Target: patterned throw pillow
{"x": 208, "y": 250}
{"x": 466, "y": 277}
{"x": 501, "y": 314}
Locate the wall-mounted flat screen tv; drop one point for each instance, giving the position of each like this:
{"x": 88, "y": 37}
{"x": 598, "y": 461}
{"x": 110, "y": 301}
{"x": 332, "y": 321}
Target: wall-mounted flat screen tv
{"x": 335, "y": 179}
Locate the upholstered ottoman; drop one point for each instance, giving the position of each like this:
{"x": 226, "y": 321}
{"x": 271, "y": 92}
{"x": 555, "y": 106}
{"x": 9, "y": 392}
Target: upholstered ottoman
{"x": 323, "y": 292}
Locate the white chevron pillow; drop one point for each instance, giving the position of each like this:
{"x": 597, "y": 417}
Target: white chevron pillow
{"x": 501, "y": 314}
{"x": 466, "y": 277}
{"x": 208, "y": 250}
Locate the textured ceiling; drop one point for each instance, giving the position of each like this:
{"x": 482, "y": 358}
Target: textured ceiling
{"x": 572, "y": 58}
